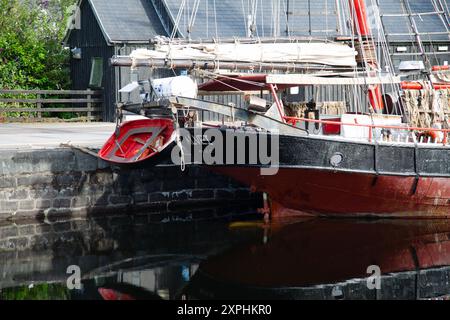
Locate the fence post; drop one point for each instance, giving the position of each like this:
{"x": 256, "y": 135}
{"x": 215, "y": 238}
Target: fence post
{"x": 39, "y": 105}
{"x": 89, "y": 106}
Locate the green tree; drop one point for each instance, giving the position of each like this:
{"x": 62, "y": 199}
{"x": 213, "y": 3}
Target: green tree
{"x": 31, "y": 54}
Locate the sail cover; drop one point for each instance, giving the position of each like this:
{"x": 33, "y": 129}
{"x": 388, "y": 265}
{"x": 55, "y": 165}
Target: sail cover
{"x": 332, "y": 54}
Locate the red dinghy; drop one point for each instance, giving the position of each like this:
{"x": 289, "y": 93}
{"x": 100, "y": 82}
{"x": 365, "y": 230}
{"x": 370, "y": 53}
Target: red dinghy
{"x": 138, "y": 140}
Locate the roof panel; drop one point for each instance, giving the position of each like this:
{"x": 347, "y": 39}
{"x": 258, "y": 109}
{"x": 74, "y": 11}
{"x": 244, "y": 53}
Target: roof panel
{"x": 137, "y": 20}
{"x": 231, "y": 18}
{"x": 127, "y": 20}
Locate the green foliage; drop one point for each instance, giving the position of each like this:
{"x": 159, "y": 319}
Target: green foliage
{"x": 31, "y": 54}
{"x": 45, "y": 291}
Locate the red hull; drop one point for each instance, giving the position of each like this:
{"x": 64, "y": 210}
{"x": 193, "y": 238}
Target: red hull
{"x": 321, "y": 192}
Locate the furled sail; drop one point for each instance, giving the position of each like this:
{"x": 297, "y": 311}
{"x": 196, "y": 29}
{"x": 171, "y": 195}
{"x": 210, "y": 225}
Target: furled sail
{"x": 332, "y": 54}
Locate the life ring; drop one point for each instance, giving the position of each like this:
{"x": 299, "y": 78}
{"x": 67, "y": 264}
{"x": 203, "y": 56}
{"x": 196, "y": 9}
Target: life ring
{"x": 430, "y": 134}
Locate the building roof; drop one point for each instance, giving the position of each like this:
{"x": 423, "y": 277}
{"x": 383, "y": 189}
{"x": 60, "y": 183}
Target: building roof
{"x": 138, "y": 21}
{"x": 230, "y": 17}
{"x": 426, "y": 24}
{"x": 126, "y": 21}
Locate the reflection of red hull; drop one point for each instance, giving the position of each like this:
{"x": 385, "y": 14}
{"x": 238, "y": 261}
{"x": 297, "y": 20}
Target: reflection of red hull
{"x": 313, "y": 191}
{"x": 329, "y": 251}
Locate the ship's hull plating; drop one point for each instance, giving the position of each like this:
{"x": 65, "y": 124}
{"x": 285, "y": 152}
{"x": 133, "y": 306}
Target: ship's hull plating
{"x": 326, "y": 176}
{"x": 315, "y": 191}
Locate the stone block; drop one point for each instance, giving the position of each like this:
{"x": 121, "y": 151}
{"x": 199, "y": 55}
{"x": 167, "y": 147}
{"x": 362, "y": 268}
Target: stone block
{"x": 102, "y": 178}
{"x": 27, "y": 230}
{"x": 18, "y": 194}
{"x": 61, "y": 203}
{"x": 178, "y": 184}
{"x": 34, "y": 180}
{"x": 8, "y": 182}
{"x": 8, "y": 205}
{"x": 224, "y": 194}
{"x": 119, "y": 200}
{"x": 434, "y": 282}
{"x": 398, "y": 286}
{"x": 8, "y": 231}
{"x": 26, "y": 205}
{"x": 81, "y": 202}
{"x": 62, "y": 226}
{"x": 202, "y": 194}
{"x": 80, "y": 225}
{"x": 43, "y": 228}
{"x": 85, "y": 162}
{"x": 160, "y": 197}
{"x": 45, "y": 193}
{"x": 140, "y": 198}
{"x": 43, "y": 203}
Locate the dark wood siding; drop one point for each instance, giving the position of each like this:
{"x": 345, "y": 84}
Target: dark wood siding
{"x": 93, "y": 44}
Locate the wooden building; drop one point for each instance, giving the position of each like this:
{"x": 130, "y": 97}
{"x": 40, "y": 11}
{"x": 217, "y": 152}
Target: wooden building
{"x": 103, "y": 28}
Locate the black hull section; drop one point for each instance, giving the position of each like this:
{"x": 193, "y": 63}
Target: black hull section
{"x": 311, "y": 152}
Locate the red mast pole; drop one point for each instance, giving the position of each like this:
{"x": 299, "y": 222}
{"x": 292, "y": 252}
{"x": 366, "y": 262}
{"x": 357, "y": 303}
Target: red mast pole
{"x": 360, "y": 17}
{"x": 361, "y": 27}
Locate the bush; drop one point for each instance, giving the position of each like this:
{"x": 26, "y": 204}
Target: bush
{"x": 31, "y": 54}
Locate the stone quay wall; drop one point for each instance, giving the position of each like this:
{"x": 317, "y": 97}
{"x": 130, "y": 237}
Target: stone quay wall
{"x": 33, "y": 252}
{"x": 62, "y": 182}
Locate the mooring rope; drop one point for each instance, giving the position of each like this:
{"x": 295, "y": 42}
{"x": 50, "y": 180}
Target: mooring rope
{"x": 179, "y": 144}
{"x": 80, "y": 148}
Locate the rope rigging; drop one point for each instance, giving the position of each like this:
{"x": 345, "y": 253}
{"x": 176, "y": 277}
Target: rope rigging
{"x": 374, "y": 48}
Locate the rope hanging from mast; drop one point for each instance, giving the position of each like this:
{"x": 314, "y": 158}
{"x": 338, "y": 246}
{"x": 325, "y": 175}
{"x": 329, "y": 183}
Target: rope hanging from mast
{"x": 177, "y": 20}
{"x": 192, "y": 18}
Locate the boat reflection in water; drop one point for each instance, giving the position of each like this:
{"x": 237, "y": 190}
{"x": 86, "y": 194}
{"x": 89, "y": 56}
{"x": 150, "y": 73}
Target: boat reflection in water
{"x": 126, "y": 259}
{"x": 330, "y": 259}
{"x": 160, "y": 277}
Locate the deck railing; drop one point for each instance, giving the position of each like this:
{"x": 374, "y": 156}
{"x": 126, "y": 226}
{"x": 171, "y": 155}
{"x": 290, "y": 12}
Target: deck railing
{"x": 430, "y": 132}
{"x": 83, "y": 101}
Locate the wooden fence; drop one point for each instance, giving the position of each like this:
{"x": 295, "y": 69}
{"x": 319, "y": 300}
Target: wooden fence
{"x": 85, "y": 101}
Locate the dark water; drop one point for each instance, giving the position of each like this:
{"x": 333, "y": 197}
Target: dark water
{"x": 121, "y": 257}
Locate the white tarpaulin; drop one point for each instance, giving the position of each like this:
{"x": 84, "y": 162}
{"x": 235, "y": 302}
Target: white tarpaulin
{"x": 332, "y": 54}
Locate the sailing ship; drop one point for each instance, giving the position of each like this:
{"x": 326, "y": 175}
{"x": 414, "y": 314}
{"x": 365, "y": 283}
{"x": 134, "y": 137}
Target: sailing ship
{"x": 388, "y": 156}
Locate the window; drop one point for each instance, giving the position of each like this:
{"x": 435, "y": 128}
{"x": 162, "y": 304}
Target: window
{"x": 95, "y": 81}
